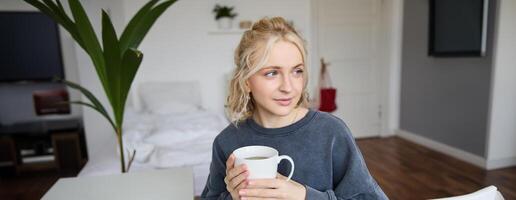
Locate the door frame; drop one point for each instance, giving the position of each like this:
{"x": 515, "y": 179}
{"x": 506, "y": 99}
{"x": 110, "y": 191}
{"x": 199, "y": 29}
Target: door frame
{"x": 391, "y": 46}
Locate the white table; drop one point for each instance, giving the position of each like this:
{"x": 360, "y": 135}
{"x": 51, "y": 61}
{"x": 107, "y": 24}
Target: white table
{"x": 171, "y": 183}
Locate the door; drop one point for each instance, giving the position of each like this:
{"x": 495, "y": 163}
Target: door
{"x": 347, "y": 38}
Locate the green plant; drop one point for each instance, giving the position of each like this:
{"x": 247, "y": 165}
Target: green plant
{"x": 223, "y": 11}
{"x": 116, "y": 62}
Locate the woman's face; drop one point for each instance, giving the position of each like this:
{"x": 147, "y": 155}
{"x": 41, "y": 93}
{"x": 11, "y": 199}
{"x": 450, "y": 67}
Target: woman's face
{"x": 277, "y": 87}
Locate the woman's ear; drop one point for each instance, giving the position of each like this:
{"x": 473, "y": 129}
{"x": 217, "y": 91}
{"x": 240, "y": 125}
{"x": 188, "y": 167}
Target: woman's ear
{"x": 247, "y": 88}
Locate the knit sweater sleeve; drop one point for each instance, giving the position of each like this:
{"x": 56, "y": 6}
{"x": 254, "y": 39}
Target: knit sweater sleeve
{"x": 215, "y": 188}
{"x": 351, "y": 176}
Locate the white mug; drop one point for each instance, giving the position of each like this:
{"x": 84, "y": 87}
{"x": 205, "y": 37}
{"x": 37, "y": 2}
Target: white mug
{"x": 262, "y": 161}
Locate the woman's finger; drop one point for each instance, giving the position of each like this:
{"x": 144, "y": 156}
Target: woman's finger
{"x": 236, "y": 171}
{"x": 279, "y": 176}
{"x": 235, "y": 181}
{"x": 265, "y": 183}
{"x": 240, "y": 178}
{"x": 262, "y": 193}
{"x": 242, "y": 185}
{"x": 230, "y": 162}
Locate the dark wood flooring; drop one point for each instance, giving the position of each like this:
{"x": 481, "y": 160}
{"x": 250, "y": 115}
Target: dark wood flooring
{"x": 403, "y": 169}
{"x": 406, "y": 170}
{"x": 28, "y": 185}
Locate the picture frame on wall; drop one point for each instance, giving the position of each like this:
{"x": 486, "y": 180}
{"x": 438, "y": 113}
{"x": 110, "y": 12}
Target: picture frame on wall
{"x": 458, "y": 28}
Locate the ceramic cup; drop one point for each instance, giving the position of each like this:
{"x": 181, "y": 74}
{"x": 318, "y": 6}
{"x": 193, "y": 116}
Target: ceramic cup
{"x": 262, "y": 161}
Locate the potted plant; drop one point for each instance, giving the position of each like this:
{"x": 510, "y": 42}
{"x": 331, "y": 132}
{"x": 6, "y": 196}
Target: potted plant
{"x": 116, "y": 61}
{"x": 224, "y": 16}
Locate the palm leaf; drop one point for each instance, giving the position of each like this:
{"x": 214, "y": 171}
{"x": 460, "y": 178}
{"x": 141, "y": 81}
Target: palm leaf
{"x": 87, "y": 35}
{"x": 63, "y": 19}
{"x": 132, "y": 37}
{"x": 58, "y": 15}
{"x": 113, "y": 64}
{"x": 105, "y": 115}
{"x": 50, "y": 11}
{"x": 99, "y": 107}
{"x": 133, "y": 24}
{"x": 67, "y": 23}
{"x": 61, "y": 6}
{"x": 45, "y": 9}
{"x": 130, "y": 64}
{"x": 116, "y": 62}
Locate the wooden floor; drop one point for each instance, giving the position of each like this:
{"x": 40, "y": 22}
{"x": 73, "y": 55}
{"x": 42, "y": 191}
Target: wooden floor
{"x": 403, "y": 169}
{"x": 28, "y": 186}
{"x": 406, "y": 170}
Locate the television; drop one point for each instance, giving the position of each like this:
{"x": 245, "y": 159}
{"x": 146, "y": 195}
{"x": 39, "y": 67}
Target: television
{"x": 30, "y": 47}
{"x": 458, "y": 28}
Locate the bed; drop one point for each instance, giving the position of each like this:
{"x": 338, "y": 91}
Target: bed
{"x": 171, "y": 129}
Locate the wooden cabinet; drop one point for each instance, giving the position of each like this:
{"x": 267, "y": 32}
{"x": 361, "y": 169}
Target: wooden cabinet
{"x": 67, "y": 152}
{"x": 67, "y": 155}
{"x": 8, "y": 157}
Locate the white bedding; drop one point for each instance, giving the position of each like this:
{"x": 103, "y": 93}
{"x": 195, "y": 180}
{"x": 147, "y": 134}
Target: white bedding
{"x": 163, "y": 141}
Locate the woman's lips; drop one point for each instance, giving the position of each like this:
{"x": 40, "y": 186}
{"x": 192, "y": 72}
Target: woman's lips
{"x": 284, "y": 101}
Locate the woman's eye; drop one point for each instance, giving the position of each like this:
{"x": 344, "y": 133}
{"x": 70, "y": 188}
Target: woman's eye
{"x": 298, "y": 71}
{"x": 271, "y": 73}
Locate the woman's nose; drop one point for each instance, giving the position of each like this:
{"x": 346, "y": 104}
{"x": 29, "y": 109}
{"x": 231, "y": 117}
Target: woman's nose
{"x": 286, "y": 84}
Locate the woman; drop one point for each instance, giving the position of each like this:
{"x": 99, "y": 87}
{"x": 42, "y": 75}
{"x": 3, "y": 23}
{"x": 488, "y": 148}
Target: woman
{"x": 267, "y": 104}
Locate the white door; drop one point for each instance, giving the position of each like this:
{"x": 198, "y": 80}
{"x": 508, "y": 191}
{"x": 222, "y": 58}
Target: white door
{"x": 347, "y": 38}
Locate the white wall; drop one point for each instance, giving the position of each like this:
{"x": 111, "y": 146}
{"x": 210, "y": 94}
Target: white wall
{"x": 185, "y": 43}
{"x": 501, "y": 147}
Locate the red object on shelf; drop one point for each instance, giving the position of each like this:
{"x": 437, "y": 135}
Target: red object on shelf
{"x": 51, "y": 101}
{"x": 328, "y": 100}
{"x": 328, "y": 94}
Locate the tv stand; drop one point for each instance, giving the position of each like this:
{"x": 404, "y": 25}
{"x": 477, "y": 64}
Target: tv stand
{"x": 56, "y": 144}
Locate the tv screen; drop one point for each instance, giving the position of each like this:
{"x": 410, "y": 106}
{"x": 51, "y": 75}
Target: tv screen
{"x": 30, "y": 47}
{"x": 457, "y": 27}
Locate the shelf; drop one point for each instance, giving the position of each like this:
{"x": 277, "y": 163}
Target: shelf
{"x": 35, "y": 159}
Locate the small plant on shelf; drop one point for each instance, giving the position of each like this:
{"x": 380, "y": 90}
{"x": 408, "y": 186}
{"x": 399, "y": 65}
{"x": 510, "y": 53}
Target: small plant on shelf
{"x": 224, "y": 16}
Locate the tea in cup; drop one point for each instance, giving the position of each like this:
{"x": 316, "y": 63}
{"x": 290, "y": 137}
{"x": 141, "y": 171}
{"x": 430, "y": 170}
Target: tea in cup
{"x": 261, "y": 161}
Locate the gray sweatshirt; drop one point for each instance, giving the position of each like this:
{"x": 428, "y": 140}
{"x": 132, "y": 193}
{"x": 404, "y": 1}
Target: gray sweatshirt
{"x": 328, "y": 162}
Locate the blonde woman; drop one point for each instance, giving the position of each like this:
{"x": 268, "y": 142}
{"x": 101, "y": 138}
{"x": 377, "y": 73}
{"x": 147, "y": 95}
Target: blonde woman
{"x": 267, "y": 104}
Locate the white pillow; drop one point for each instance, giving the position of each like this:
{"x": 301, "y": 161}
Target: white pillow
{"x": 173, "y": 107}
{"x": 156, "y": 95}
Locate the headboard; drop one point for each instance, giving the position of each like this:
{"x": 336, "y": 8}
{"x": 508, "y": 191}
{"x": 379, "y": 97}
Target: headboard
{"x": 160, "y": 92}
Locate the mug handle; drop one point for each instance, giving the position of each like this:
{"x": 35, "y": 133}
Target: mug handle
{"x": 291, "y": 162}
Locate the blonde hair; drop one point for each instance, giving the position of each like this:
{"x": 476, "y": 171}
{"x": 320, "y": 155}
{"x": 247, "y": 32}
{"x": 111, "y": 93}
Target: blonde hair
{"x": 251, "y": 55}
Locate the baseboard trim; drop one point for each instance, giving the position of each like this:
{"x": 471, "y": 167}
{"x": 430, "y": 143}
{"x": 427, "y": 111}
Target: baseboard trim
{"x": 443, "y": 148}
{"x": 500, "y": 163}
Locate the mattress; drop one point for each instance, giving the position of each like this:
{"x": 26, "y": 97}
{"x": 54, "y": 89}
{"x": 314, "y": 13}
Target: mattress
{"x": 163, "y": 141}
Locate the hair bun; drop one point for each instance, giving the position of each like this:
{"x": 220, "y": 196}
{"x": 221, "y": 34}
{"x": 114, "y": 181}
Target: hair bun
{"x": 275, "y": 23}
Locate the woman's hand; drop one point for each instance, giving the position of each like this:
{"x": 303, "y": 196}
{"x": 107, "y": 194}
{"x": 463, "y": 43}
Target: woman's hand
{"x": 278, "y": 188}
{"x": 235, "y": 177}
